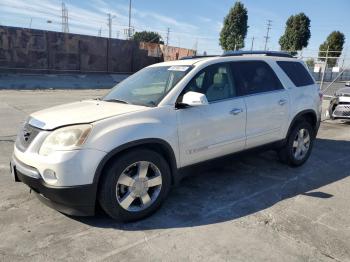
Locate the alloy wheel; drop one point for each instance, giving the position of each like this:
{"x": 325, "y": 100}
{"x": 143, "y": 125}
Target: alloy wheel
{"x": 301, "y": 144}
{"x": 138, "y": 186}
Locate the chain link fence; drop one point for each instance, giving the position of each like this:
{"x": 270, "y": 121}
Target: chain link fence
{"x": 331, "y": 69}
{"x": 330, "y": 72}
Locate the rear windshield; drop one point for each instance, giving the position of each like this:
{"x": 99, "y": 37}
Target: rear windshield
{"x": 297, "y": 73}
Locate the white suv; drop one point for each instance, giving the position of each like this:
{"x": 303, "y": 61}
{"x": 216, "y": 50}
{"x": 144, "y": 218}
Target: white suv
{"x": 124, "y": 151}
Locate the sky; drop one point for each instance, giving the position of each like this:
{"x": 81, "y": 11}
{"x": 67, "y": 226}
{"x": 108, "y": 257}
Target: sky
{"x": 193, "y": 23}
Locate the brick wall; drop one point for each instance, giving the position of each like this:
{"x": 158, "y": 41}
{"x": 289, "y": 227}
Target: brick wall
{"x": 168, "y": 53}
{"x": 30, "y": 49}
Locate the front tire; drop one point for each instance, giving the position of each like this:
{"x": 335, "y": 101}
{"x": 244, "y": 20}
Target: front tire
{"x": 299, "y": 144}
{"x": 134, "y": 185}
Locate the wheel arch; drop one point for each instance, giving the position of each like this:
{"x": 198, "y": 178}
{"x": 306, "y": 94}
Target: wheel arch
{"x": 158, "y": 145}
{"x": 308, "y": 115}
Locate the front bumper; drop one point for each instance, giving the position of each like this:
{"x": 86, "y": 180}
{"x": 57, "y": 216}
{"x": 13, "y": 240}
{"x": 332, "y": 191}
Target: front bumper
{"x": 341, "y": 111}
{"x": 71, "y": 200}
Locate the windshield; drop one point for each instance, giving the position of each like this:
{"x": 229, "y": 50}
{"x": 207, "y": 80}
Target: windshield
{"x": 148, "y": 86}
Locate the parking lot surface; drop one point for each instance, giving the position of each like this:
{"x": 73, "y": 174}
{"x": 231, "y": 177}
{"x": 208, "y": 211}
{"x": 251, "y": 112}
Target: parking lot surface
{"x": 246, "y": 208}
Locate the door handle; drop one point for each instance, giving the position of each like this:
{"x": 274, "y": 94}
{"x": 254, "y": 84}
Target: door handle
{"x": 282, "y": 102}
{"x": 236, "y": 111}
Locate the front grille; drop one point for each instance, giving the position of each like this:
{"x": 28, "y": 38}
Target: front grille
{"x": 342, "y": 111}
{"x": 26, "y": 136}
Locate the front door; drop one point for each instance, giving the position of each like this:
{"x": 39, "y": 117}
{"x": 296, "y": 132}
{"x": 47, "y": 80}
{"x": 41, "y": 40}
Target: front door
{"x": 213, "y": 130}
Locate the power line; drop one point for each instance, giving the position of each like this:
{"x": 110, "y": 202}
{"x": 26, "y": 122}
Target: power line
{"x": 267, "y": 37}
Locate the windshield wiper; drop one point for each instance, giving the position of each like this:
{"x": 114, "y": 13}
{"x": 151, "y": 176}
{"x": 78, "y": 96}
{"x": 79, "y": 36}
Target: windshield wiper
{"x": 117, "y": 101}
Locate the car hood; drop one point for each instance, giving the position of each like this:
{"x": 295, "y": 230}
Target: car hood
{"x": 79, "y": 113}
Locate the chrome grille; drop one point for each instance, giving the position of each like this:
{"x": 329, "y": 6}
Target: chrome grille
{"x": 26, "y": 136}
{"x": 342, "y": 111}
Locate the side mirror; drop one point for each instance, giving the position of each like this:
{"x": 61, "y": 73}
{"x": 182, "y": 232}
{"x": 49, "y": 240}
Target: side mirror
{"x": 194, "y": 99}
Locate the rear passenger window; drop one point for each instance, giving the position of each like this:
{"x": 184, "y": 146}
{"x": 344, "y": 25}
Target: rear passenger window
{"x": 255, "y": 77}
{"x": 297, "y": 73}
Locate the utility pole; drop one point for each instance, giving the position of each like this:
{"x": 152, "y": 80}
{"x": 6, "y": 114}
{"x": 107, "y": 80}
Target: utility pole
{"x": 195, "y": 46}
{"x": 30, "y": 23}
{"x": 342, "y": 66}
{"x": 129, "y": 28}
{"x": 100, "y": 31}
{"x": 109, "y": 24}
{"x": 325, "y": 68}
{"x": 251, "y": 48}
{"x": 65, "y": 26}
{"x": 267, "y": 37}
{"x": 167, "y": 36}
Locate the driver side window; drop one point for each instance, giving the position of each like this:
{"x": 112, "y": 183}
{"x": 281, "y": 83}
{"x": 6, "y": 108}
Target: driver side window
{"x": 215, "y": 81}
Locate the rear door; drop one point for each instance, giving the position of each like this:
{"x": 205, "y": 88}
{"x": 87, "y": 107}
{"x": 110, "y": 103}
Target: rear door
{"x": 267, "y": 102}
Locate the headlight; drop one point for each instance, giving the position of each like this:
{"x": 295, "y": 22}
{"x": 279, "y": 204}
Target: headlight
{"x": 65, "y": 138}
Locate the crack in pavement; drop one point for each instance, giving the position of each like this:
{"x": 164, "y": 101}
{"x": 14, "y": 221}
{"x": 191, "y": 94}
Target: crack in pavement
{"x": 8, "y": 138}
{"x": 15, "y": 107}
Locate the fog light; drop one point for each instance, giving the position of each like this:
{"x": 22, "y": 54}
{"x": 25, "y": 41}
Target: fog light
{"x": 50, "y": 176}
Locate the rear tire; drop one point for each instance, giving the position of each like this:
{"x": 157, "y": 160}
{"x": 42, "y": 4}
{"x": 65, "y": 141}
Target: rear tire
{"x": 134, "y": 185}
{"x": 299, "y": 144}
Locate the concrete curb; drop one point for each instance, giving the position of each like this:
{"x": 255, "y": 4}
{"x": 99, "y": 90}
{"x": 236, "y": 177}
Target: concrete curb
{"x": 59, "y": 81}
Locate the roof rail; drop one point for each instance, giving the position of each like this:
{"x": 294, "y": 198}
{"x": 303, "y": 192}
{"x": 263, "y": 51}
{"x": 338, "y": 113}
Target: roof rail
{"x": 196, "y": 56}
{"x": 266, "y": 53}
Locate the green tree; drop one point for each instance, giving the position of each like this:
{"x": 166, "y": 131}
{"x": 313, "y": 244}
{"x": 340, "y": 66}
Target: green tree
{"x": 235, "y": 28}
{"x": 297, "y": 33}
{"x": 148, "y": 36}
{"x": 310, "y": 62}
{"x": 335, "y": 42}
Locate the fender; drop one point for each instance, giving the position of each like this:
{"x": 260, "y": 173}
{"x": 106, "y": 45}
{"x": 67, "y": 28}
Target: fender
{"x": 299, "y": 115}
{"x": 170, "y": 156}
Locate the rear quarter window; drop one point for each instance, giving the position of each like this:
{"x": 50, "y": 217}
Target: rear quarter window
{"x": 297, "y": 73}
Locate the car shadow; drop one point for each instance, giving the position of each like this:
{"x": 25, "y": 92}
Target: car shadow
{"x": 238, "y": 186}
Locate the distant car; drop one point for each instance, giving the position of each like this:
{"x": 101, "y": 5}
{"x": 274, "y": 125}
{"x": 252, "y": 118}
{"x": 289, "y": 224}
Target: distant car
{"x": 347, "y": 83}
{"x": 339, "y": 107}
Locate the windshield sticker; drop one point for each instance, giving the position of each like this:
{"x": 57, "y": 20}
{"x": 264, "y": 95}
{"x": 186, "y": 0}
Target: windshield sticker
{"x": 178, "y": 68}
